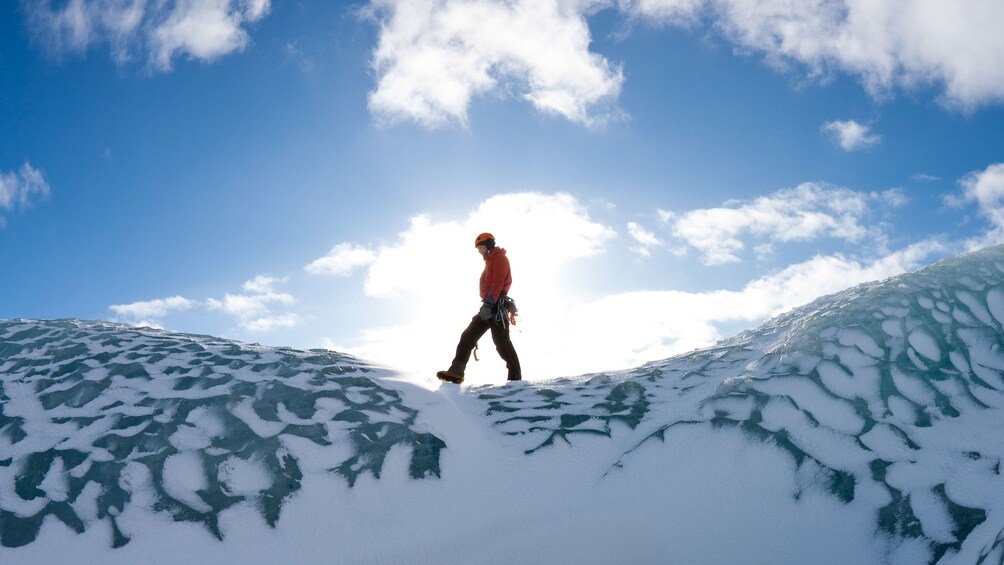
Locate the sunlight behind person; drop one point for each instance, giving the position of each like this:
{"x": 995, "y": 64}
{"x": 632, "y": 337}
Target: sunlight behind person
{"x": 431, "y": 273}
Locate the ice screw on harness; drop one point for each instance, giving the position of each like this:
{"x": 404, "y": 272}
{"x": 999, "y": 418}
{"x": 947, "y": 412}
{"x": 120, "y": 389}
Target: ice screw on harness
{"x": 505, "y": 314}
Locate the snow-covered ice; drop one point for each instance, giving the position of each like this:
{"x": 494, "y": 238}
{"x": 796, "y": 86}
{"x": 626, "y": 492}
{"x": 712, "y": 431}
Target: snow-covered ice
{"x": 864, "y": 427}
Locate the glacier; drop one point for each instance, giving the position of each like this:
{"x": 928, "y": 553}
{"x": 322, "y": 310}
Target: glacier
{"x": 864, "y": 427}
{"x": 87, "y": 407}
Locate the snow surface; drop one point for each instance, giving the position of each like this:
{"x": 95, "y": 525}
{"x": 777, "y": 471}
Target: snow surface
{"x": 865, "y": 427}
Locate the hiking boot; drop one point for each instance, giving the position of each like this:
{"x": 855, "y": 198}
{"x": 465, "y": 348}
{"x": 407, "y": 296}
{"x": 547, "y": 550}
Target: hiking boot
{"x": 450, "y": 377}
{"x": 515, "y": 378}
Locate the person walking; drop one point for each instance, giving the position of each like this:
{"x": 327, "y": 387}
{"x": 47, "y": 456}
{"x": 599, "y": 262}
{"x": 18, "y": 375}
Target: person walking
{"x": 493, "y": 315}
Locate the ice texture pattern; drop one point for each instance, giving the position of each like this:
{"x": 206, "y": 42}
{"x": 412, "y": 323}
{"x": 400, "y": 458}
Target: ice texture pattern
{"x": 92, "y": 413}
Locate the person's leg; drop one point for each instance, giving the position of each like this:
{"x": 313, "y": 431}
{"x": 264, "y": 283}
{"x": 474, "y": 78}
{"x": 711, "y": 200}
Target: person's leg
{"x": 468, "y": 340}
{"x": 500, "y": 335}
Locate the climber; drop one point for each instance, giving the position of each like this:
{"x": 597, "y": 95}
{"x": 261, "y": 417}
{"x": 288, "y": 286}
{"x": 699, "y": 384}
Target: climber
{"x": 494, "y": 314}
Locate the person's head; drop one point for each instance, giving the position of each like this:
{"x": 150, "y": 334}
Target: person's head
{"x": 485, "y": 242}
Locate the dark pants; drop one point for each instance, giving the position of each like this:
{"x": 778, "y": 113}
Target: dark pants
{"x": 500, "y": 335}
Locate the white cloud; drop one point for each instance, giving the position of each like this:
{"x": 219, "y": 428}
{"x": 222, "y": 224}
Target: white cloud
{"x": 342, "y": 260}
{"x": 645, "y": 239}
{"x": 628, "y": 329}
{"x": 263, "y": 284}
{"x": 252, "y": 309}
{"x": 435, "y": 56}
{"x": 546, "y": 231}
{"x": 887, "y": 44}
{"x": 157, "y": 31}
{"x": 204, "y": 29}
{"x": 986, "y": 188}
{"x": 803, "y": 213}
{"x": 21, "y": 189}
{"x": 255, "y": 303}
{"x": 895, "y": 197}
{"x": 150, "y": 310}
{"x": 270, "y": 323}
{"x": 851, "y": 135}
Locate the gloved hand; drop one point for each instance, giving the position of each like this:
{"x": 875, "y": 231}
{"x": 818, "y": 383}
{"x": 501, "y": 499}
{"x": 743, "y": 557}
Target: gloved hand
{"x": 486, "y": 311}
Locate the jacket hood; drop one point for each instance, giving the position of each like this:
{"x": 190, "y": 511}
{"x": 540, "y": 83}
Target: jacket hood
{"x": 499, "y": 250}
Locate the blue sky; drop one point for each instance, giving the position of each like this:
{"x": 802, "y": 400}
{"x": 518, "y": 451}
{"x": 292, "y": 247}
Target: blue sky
{"x": 663, "y": 173}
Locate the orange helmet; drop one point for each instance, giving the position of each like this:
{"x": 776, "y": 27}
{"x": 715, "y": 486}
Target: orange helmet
{"x": 483, "y": 238}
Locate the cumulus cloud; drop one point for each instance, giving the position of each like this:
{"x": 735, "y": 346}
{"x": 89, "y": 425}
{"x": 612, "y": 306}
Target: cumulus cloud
{"x": 435, "y": 56}
{"x": 204, "y": 29}
{"x": 852, "y": 136}
{"x": 887, "y": 44}
{"x": 148, "y": 312}
{"x": 156, "y": 31}
{"x": 21, "y": 189}
{"x": 628, "y": 329}
{"x": 269, "y": 323}
{"x": 342, "y": 260}
{"x": 252, "y": 308}
{"x": 520, "y": 221}
{"x": 986, "y": 189}
{"x": 803, "y": 213}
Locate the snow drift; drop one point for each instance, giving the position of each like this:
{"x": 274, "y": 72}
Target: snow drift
{"x": 863, "y": 427}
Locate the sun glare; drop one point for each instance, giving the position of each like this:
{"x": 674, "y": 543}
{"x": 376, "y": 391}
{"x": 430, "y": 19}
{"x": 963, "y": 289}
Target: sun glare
{"x": 432, "y": 275}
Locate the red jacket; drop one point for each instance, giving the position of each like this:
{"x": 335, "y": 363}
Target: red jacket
{"x": 496, "y": 278}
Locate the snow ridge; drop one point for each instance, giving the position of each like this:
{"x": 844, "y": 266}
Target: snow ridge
{"x": 886, "y": 398}
{"x": 94, "y": 415}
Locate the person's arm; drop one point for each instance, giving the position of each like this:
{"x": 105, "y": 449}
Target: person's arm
{"x": 498, "y": 272}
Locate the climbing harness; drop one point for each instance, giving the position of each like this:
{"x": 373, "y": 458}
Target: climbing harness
{"x": 507, "y": 312}
{"x": 505, "y": 315}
